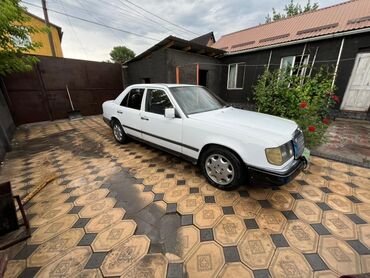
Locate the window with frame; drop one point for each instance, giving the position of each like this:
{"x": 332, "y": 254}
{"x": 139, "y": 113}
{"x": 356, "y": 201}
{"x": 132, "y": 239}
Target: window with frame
{"x": 157, "y": 101}
{"x": 235, "y": 76}
{"x": 133, "y": 99}
{"x": 22, "y": 41}
{"x": 296, "y": 65}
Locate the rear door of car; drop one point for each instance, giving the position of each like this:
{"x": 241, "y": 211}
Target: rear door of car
{"x": 128, "y": 112}
{"x": 156, "y": 128}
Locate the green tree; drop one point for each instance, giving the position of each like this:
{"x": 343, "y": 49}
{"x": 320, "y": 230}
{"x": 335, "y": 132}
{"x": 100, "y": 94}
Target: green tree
{"x": 290, "y": 10}
{"x": 121, "y": 54}
{"x": 15, "y": 38}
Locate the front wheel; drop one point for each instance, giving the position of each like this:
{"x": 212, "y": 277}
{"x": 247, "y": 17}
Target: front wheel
{"x": 222, "y": 168}
{"x": 118, "y": 132}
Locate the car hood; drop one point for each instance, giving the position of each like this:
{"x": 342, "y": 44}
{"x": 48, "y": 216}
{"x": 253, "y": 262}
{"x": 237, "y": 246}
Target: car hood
{"x": 243, "y": 120}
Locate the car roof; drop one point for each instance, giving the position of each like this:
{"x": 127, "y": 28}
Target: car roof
{"x": 168, "y": 85}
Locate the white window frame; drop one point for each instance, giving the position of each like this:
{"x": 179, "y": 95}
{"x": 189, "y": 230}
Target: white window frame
{"x": 303, "y": 72}
{"x": 236, "y": 77}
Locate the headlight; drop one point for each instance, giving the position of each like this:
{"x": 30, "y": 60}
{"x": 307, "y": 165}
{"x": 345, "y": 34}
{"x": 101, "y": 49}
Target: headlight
{"x": 279, "y": 155}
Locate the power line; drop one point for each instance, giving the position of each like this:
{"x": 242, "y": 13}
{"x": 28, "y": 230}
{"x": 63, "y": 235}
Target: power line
{"x": 73, "y": 29}
{"x": 96, "y": 23}
{"x": 137, "y": 15}
{"x": 174, "y": 24}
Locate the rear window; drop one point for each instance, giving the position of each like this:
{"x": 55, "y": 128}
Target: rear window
{"x": 133, "y": 99}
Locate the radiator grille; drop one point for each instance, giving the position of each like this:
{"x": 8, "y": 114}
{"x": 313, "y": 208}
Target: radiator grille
{"x": 298, "y": 143}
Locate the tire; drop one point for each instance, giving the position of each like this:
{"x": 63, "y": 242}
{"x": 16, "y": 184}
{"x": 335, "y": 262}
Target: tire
{"x": 118, "y": 132}
{"x": 227, "y": 169}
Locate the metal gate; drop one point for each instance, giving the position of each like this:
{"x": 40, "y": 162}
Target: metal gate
{"x": 40, "y": 95}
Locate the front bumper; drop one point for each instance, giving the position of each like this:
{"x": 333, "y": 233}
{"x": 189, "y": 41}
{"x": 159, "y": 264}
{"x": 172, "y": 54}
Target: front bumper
{"x": 107, "y": 121}
{"x": 263, "y": 177}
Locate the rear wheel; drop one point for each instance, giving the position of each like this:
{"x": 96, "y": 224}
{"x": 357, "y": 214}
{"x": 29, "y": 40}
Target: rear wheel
{"x": 222, "y": 168}
{"x": 118, "y": 132}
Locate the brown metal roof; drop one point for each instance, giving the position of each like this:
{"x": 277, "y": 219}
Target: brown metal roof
{"x": 180, "y": 44}
{"x": 342, "y": 17}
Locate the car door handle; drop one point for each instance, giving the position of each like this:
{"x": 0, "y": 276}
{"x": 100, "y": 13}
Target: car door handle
{"x": 144, "y": 118}
{"x": 119, "y": 112}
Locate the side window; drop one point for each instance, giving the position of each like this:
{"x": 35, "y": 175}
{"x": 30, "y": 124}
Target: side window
{"x": 235, "y": 76}
{"x": 157, "y": 101}
{"x": 133, "y": 99}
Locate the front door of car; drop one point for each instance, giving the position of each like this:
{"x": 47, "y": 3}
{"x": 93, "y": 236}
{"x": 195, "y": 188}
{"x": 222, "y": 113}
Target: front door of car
{"x": 156, "y": 128}
{"x": 128, "y": 112}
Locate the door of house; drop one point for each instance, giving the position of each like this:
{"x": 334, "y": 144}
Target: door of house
{"x": 357, "y": 96}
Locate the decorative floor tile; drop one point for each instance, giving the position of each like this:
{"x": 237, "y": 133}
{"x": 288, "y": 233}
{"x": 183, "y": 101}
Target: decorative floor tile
{"x": 187, "y": 238}
{"x": 207, "y": 216}
{"x": 256, "y": 249}
{"x": 50, "y": 214}
{"x": 281, "y": 200}
{"x": 91, "y": 197}
{"x": 125, "y": 256}
{"x": 47, "y": 251}
{"x": 317, "y": 223}
{"x": 301, "y": 236}
{"x": 229, "y": 230}
{"x": 113, "y": 235}
{"x": 339, "y": 203}
{"x": 272, "y": 220}
{"x": 104, "y": 220}
{"x": 96, "y": 208}
{"x": 289, "y": 263}
{"x": 206, "y": 261}
{"x": 190, "y": 203}
{"x": 151, "y": 265}
{"x": 247, "y": 208}
{"x": 339, "y": 225}
{"x": 338, "y": 255}
{"x": 235, "y": 270}
{"x": 14, "y": 268}
{"x": 68, "y": 265}
{"x": 48, "y": 231}
{"x": 308, "y": 211}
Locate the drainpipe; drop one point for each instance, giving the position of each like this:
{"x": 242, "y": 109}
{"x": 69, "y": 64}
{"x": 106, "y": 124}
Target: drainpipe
{"x": 268, "y": 63}
{"x": 313, "y": 61}
{"x": 337, "y": 64}
{"x": 197, "y": 74}
{"x": 177, "y": 75}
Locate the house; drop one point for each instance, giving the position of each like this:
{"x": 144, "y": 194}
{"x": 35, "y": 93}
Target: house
{"x": 56, "y": 33}
{"x": 174, "y": 60}
{"x": 337, "y": 36}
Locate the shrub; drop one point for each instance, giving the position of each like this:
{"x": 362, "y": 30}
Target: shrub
{"x": 305, "y": 100}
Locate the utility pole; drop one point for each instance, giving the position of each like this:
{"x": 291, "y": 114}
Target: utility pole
{"x": 50, "y": 35}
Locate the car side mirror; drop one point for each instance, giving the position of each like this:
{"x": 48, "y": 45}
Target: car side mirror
{"x": 169, "y": 113}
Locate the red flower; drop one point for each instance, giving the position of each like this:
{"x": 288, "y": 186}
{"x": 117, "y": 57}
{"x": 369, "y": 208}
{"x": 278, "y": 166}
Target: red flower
{"x": 303, "y": 104}
{"x": 335, "y": 98}
{"x": 311, "y": 128}
{"x": 325, "y": 121}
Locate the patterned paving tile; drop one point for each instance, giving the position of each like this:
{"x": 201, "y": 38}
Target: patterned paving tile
{"x": 104, "y": 220}
{"x": 256, "y": 249}
{"x": 70, "y": 264}
{"x": 338, "y": 255}
{"x": 125, "y": 255}
{"x": 61, "y": 244}
{"x": 289, "y": 263}
{"x": 316, "y": 226}
{"x": 52, "y": 229}
{"x": 206, "y": 261}
{"x": 113, "y": 235}
{"x": 229, "y": 230}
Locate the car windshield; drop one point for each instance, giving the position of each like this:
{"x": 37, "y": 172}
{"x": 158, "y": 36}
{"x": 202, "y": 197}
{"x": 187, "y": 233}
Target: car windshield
{"x": 194, "y": 99}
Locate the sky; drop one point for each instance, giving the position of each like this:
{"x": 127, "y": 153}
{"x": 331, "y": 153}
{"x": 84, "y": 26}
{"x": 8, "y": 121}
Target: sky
{"x": 190, "y": 18}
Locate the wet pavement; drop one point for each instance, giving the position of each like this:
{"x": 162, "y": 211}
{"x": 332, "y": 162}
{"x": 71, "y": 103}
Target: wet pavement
{"x": 347, "y": 141}
{"x": 129, "y": 210}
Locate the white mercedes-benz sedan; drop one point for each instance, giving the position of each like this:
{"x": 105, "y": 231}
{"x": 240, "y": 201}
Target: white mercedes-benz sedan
{"x": 230, "y": 145}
